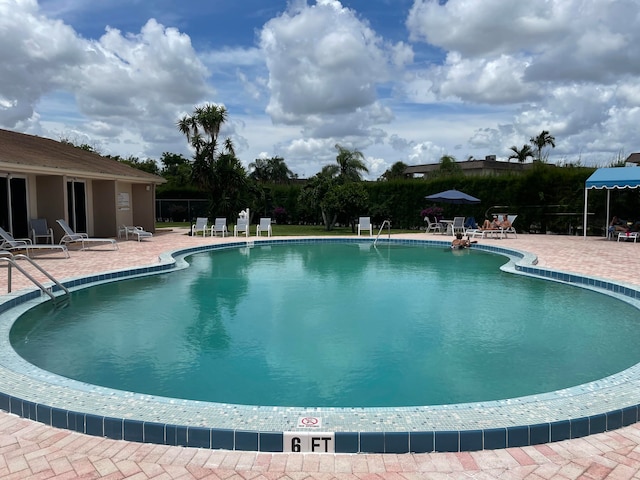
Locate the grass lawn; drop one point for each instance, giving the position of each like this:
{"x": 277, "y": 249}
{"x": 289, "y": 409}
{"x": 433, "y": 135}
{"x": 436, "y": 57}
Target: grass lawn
{"x": 297, "y": 230}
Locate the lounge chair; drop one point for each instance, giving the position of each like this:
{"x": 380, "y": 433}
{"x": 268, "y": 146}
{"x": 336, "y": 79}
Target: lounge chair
{"x": 40, "y": 229}
{"x": 241, "y": 226}
{"x": 264, "y": 226}
{"x": 219, "y": 226}
{"x": 433, "y": 226}
{"x": 364, "y": 224}
{"x": 11, "y": 245}
{"x": 71, "y": 237}
{"x": 136, "y": 232}
{"x": 201, "y": 225}
{"x": 628, "y": 236}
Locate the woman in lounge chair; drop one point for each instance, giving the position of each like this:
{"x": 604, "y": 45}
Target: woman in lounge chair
{"x": 490, "y": 224}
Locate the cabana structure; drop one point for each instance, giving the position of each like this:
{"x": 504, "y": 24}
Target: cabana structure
{"x": 44, "y": 179}
{"x": 609, "y": 179}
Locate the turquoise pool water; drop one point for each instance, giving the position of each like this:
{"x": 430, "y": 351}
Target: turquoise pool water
{"x": 334, "y": 325}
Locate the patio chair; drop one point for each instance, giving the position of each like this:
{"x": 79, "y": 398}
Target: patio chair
{"x": 219, "y": 226}
{"x": 433, "y": 226}
{"x": 201, "y": 225}
{"x": 241, "y": 226}
{"x": 11, "y": 245}
{"x": 136, "y": 232}
{"x": 457, "y": 225}
{"x": 40, "y": 229}
{"x": 71, "y": 237}
{"x": 364, "y": 224}
{"x": 264, "y": 226}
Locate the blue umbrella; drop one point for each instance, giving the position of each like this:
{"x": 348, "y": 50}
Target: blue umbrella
{"x": 452, "y": 196}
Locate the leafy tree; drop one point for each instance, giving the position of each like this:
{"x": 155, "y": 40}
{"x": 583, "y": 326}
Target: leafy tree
{"x": 396, "y": 172}
{"x": 176, "y": 169}
{"x": 541, "y": 141}
{"x": 521, "y": 154}
{"x": 346, "y": 202}
{"x": 351, "y": 164}
{"x": 313, "y": 193}
{"x": 148, "y": 165}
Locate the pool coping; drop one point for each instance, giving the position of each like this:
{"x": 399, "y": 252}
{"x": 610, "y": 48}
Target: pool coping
{"x": 605, "y": 404}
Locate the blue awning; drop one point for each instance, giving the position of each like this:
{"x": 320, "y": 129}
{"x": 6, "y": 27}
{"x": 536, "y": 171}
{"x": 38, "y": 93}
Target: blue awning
{"x": 614, "y": 177}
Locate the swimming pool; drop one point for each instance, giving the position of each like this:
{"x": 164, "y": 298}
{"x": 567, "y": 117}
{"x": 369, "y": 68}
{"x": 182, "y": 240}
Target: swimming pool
{"x": 333, "y": 325}
{"x": 604, "y": 404}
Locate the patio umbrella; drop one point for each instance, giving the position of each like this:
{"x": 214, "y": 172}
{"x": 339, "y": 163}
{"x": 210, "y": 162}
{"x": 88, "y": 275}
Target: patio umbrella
{"x": 452, "y": 196}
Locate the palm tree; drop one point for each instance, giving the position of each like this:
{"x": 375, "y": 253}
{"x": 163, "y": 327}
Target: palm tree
{"x": 202, "y": 130}
{"x": 521, "y": 154}
{"x": 542, "y": 141}
{"x": 351, "y": 164}
{"x": 273, "y": 170}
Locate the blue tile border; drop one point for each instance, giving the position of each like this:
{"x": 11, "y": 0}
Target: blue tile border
{"x": 445, "y": 440}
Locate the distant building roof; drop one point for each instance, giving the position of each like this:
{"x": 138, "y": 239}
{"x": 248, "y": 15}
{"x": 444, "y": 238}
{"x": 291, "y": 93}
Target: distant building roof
{"x": 633, "y": 158}
{"x": 486, "y": 166}
{"x": 31, "y": 154}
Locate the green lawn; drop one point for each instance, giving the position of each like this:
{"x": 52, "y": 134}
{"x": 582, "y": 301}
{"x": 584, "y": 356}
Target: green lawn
{"x": 296, "y": 230}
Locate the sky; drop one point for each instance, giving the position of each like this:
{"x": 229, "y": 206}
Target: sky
{"x": 398, "y": 80}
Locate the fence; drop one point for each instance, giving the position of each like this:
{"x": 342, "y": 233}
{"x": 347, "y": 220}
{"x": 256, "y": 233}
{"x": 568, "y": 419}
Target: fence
{"x": 180, "y": 210}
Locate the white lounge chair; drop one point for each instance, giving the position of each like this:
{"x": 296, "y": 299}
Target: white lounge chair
{"x": 201, "y": 225}
{"x": 264, "y": 226}
{"x": 219, "y": 226}
{"x": 241, "y": 226}
{"x": 83, "y": 239}
{"x": 136, "y": 232}
{"x": 628, "y": 236}
{"x": 364, "y": 224}
{"x": 11, "y": 245}
{"x": 40, "y": 229}
{"x": 432, "y": 226}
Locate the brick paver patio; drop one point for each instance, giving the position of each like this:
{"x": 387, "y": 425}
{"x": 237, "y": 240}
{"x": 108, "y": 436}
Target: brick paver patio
{"x": 32, "y": 450}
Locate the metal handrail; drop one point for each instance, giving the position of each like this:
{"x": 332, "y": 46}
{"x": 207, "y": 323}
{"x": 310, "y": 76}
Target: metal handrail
{"x": 388, "y": 224}
{"x": 11, "y": 260}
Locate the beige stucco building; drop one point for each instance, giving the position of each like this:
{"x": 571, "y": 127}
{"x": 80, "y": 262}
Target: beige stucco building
{"x": 43, "y": 178}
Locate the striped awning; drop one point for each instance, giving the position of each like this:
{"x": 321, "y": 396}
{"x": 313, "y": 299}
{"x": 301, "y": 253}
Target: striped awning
{"x": 614, "y": 177}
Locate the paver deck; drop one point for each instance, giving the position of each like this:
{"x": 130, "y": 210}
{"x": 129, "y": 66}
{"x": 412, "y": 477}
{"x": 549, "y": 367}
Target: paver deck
{"x": 32, "y": 450}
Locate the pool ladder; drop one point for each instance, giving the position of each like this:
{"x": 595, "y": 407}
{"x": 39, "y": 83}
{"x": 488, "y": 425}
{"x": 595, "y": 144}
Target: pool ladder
{"x": 11, "y": 261}
{"x": 388, "y": 224}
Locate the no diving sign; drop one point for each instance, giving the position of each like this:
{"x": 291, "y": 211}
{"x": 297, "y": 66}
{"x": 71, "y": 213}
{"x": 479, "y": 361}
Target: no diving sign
{"x": 309, "y": 422}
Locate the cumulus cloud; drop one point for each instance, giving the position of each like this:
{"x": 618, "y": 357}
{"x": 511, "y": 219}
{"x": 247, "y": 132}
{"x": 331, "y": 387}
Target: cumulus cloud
{"x": 119, "y": 82}
{"x": 322, "y": 60}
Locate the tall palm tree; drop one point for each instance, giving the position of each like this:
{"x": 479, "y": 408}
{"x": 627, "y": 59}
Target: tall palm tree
{"x": 351, "y": 164}
{"x": 521, "y": 154}
{"x": 202, "y": 129}
{"x": 541, "y": 141}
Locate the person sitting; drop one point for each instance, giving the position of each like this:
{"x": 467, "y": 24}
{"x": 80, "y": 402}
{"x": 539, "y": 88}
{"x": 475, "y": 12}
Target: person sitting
{"x": 459, "y": 242}
{"x": 618, "y": 225}
{"x": 505, "y": 223}
{"x": 491, "y": 224}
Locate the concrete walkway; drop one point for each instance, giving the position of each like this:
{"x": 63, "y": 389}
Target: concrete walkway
{"x": 32, "y": 450}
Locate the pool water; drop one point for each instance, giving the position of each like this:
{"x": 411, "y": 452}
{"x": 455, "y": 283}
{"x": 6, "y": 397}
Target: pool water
{"x": 334, "y": 325}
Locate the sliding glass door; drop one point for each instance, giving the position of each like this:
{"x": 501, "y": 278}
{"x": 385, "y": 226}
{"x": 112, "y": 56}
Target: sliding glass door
{"x": 77, "y": 206}
{"x": 13, "y": 206}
